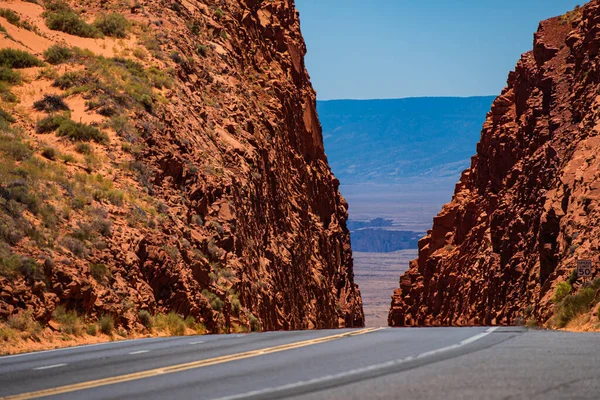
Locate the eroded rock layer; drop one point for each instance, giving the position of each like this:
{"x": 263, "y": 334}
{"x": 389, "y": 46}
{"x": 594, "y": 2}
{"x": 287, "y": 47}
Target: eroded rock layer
{"x": 527, "y": 208}
{"x": 223, "y": 206}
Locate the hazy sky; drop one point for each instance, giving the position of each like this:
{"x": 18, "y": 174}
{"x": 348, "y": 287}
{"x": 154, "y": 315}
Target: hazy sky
{"x": 399, "y": 48}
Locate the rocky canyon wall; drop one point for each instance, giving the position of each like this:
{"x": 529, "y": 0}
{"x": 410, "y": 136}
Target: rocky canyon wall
{"x": 527, "y": 208}
{"x": 218, "y": 202}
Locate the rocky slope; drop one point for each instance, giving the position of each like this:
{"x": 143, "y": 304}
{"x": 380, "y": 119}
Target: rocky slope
{"x": 527, "y": 208}
{"x": 189, "y": 175}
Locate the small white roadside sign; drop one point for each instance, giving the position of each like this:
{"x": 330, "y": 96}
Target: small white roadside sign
{"x": 584, "y": 268}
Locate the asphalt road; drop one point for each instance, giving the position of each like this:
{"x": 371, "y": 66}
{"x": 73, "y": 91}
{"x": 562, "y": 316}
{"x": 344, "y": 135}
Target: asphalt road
{"x": 449, "y": 363}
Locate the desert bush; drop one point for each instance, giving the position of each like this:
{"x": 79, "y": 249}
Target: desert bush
{"x": 202, "y": 50}
{"x": 19, "y": 192}
{"x": 113, "y": 25}
{"x": 9, "y": 263}
{"x": 83, "y": 148}
{"x": 236, "y": 305}
{"x": 107, "y": 324}
{"x": 68, "y": 158}
{"x": 6, "y": 116}
{"x": 69, "y": 321}
{"x": 47, "y": 73}
{"x": 50, "y": 123}
{"x": 58, "y": 54}
{"x": 11, "y": 16}
{"x": 99, "y": 271}
{"x": 145, "y": 319}
{"x": 71, "y": 79}
{"x": 11, "y": 58}
{"x": 158, "y": 78}
{"x": 140, "y": 53}
{"x": 171, "y": 322}
{"x": 116, "y": 197}
{"x": 75, "y": 246}
{"x": 562, "y": 290}
{"x": 574, "y": 305}
{"x": 31, "y": 269}
{"x": 102, "y": 226}
{"x": 78, "y": 131}
{"x": 22, "y": 322}
{"x": 10, "y": 76}
{"x": 64, "y": 19}
{"x": 573, "y": 277}
{"x": 51, "y": 103}
{"x": 255, "y": 325}
{"x": 215, "y": 302}
{"x": 92, "y": 330}
{"x": 49, "y": 153}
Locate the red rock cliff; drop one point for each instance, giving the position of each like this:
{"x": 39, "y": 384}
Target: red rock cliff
{"x": 527, "y": 207}
{"x": 230, "y": 212}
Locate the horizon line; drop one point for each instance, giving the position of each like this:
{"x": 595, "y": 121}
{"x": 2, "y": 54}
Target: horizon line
{"x": 409, "y": 97}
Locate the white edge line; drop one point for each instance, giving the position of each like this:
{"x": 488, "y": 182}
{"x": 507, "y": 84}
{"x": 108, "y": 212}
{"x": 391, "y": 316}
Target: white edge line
{"x": 49, "y": 366}
{"x": 83, "y": 346}
{"x": 361, "y": 370}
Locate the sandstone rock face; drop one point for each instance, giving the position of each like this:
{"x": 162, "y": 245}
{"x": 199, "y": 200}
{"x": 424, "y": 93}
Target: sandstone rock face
{"x": 247, "y": 206}
{"x": 527, "y": 208}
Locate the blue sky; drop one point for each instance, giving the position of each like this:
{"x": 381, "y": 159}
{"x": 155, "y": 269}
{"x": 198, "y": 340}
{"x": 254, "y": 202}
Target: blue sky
{"x": 361, "y": 49}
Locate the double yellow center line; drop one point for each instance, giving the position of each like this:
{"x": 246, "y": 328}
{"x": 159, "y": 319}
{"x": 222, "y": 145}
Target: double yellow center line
{"x": 183, "y": 367}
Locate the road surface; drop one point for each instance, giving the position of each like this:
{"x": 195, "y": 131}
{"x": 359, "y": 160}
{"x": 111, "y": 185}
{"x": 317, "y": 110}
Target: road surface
{"x": 384, "y": 363}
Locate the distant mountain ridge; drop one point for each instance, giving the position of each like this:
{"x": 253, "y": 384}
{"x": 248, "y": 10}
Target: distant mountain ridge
{"x": 387, "y": 141}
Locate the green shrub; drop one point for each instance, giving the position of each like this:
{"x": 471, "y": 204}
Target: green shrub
{"x": 24, "y": 322}
{"x": 69, "y": 321}
{"x": 20, "y": 193}
{"x": 70, "y": 22}
{"x": 255, "y": 325}
{"x": 202, "y": 50}
{"x": 57, "y": 5}
{"x": 573, "y": 277}
{"x": 113, "y": 25}
{"x": 50, "y": 123}
{"x": 11, "y": 58}
{"x": 6, "y": 116}
{"x": 58, "y": 54}
{"x": 11, "y": 16}
{"x": 6, "y": 94}
{"x": 107, "y": 324}
{"x": 215, "y": 302}
{"x": 145, "y": 319}
{"x": 562, "y": 290}
{"x": 116, "y": 197}
{"x": 49, "y": 153}
{"x": 30, "y": 269}
{"x": 71, "y": 79}
{"x": 9, "y": 76}
{"x": 77, "y": 131}
{"x": 83, "y": 148}
{"x": 236, "y": 305}
{"x": 92, "y": 330}
{"x": 51, "y": 103}
{"x": 9, "y": 264}
{"x": 172, "y": 323}
{"x": 99, "y": 271}
{"x": 573, "y": 306}
{"x": 75, "y": 246}
{"x": 68, "y": 158}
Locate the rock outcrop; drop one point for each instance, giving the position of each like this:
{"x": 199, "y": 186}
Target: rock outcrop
{"x": 213, "y": 199}
{"x": 527, "y": 208}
